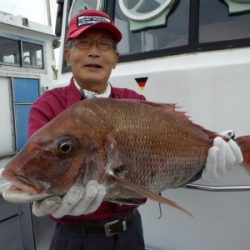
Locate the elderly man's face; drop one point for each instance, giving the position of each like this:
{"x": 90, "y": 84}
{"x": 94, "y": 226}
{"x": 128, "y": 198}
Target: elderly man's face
{"x": 92, "y": 57}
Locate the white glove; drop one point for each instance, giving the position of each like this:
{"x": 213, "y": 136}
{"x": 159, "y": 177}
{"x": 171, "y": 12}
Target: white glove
{"x": 222, "y": 156}
{"x": 77, "y": 201}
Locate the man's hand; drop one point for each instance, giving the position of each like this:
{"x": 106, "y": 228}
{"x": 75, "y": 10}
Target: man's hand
{"x": 78, "y": 200}
{"x": 222, "y": 156}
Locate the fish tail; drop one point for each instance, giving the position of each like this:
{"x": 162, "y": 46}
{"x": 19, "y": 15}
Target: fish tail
{"x": 244, "y": 144}
{"x": 147, "y": 193}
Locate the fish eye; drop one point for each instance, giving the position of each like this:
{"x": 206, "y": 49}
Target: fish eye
{"x": 64, "y": 147}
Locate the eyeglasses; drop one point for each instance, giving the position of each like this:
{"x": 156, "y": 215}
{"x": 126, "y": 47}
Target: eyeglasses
{"x": 102, "y": 44}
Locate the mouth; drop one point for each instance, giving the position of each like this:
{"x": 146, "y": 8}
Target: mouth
{"x": 17, "y": 195}
{"x": 25, "y": 184}
{"x": 93, "y": 66}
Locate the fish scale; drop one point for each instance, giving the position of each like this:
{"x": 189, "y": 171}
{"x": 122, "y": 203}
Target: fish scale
{"x": 134, "y": 149}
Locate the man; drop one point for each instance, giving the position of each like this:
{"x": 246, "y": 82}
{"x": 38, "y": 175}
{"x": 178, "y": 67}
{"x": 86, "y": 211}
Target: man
{"x": 84, "y": 220}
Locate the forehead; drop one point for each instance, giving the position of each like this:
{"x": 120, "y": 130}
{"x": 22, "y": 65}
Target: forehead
{"x": 96, "y": 33}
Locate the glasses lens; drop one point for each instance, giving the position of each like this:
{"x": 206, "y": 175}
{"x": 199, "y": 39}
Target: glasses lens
{"x": 86, "y": 43}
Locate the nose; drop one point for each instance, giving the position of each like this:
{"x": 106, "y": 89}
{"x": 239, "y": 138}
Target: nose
{"x": 93, "y": 49}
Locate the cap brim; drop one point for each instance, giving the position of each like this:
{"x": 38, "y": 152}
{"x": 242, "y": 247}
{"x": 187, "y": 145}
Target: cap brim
{"x": 106, "y": 26}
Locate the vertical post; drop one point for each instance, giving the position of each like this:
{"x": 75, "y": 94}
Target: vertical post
{"x": 48, "y": 13}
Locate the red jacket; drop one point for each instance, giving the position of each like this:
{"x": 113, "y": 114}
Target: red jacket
{"x": 48, "y": 106}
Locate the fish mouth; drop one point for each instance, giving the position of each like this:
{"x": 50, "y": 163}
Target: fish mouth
{"x": 17, "y": 195}
{"x": 21, "y": 189}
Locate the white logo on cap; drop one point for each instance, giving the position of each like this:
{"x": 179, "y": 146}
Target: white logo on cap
{"x": 88, "y": 20}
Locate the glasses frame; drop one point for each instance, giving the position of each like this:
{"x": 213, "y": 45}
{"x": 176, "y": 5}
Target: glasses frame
{"x": 101, "y": 44}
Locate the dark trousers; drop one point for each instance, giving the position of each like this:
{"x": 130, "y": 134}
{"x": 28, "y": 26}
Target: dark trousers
{"x": 131, "y": 239}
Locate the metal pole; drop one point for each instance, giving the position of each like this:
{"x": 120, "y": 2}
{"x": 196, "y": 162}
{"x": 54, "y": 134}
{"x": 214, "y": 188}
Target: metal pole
{"x": 218, "y": 188}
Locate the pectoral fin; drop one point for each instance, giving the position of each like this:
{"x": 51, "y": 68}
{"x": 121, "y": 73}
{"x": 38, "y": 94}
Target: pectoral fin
{"x": 146, "y": 193}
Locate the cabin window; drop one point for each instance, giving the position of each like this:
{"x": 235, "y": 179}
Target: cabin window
{"x": 12, "y": 51}
{"x": 219, "y": 23}
{"x": 146, "y": 29}
{"x": 32, "y": 55}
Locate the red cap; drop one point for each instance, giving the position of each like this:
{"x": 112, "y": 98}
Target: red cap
{"x": 89, "y": 19}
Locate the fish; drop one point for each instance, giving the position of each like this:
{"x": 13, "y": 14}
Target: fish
{"x": 136, "y": 149}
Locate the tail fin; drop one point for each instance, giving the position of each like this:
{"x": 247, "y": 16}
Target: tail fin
{"x": 244, "y": 144}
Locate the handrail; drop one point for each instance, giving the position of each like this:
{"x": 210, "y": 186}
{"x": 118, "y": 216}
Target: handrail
{"x": 231, "y": 188}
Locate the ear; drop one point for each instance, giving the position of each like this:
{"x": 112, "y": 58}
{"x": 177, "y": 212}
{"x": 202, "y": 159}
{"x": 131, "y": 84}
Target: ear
{"x": 67, "y": 55}
{"x": 116, "y": 59}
